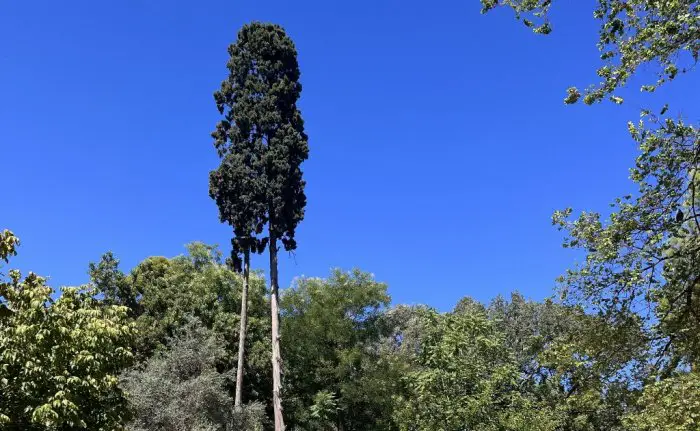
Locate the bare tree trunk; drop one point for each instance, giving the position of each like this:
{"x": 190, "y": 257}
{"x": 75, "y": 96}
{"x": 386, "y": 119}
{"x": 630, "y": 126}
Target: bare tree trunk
{"x": 243, "y": 329}
{"x": 276, "y": 354}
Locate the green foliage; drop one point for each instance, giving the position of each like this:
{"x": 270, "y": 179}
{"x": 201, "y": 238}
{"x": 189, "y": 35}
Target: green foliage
{"x": 640, "y": 275}
{"x": 468, "y": 305}
{"x": 633, "y": 34}
{"x": 180, "y": 389}
{"x": 641, "y": 263}
{"x": 589, "y": 383}
{"x": 531, "y": 328}
{"x": 249, "y": 417}
{"x": 532, "y": 9}
{"x": 112, "y": 283}
{"x": 464, "y": 378}
{"x": 261, "y": 139}
{"x": 8, "y": 243}
{"x": 354, "y": 364}
{"x": 334, "y": 372}
{"x": 262, "y": 142}
{"x": 573, "y": 363}
{"x": 324, "y": 411}
{"x": 672, "y": 404}
{"x": 59, "y": 358}
{"x": 198, "y": 284}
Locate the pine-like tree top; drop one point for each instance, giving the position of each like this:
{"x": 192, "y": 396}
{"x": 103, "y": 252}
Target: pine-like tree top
{"x": 261, "y": 139}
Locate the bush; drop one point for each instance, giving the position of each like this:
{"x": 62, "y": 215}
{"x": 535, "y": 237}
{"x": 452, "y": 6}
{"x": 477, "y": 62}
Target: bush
{"x": 180, "y": 389}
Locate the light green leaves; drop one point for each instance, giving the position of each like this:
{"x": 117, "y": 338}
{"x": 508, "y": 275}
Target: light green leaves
{"x": 672, "y": 404}
{"x": 465, "y": 378}
{"x": 664, "y": 34}
{"x": 8, "y": 243}
{"x": 59, "y": 358}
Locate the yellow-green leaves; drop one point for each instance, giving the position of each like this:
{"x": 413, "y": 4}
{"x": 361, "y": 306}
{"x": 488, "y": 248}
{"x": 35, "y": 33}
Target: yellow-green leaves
{"x": 465, "y": 378}
{"x": 59, "y": 358}
{"x": 672, "y": 404}
{"x": 8, "y": 242}
{"x": 572, "y": 95}
{"x": 664, "y": 34}
{"x": 536, "y": 9}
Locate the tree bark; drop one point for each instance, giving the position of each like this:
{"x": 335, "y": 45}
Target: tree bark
{"x": 276, "y": 354}
{"x": 243, "y": 329}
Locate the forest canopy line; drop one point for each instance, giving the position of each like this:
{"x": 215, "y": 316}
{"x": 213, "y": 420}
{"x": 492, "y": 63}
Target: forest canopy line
{"x": 201, "y": 341}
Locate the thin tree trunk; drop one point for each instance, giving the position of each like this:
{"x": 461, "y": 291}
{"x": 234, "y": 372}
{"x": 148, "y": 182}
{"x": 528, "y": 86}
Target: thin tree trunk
{"x": 243, "y": 329}
{"x": 276, "y": 354}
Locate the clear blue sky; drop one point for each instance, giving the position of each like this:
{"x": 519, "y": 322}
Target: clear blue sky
{"x": 439, "y": 141}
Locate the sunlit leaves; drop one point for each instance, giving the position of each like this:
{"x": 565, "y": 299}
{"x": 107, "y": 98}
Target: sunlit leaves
{"x": 464, "y": 378}
{"x": 641, "y": 259}
{"x": 59, "y": 358}
{"x": 334, "y": 370}
{"x": 672, "y": 404}
{"x": 633, "y": 34}
{"x": 8, "y": 243}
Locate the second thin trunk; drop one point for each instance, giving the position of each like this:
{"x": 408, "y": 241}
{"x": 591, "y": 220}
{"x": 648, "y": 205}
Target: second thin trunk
{"x": 276, "y": 354}
{"x": 243, "y": 329}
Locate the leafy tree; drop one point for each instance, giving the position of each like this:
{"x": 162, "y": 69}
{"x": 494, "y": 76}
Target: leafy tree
{"x": 113, "y": 283}
{"x": 336, "y": 375}
{"x": 59, "y": 358}
{"x": 262, "y": 139}
{"x": 180, "y": 389}
{"x": 469, "y": 305}
{"x": 324, "y": 411}
{"x": 464, "y": 378}
{"x": 404, "y": 328}
{"x": 577, "y": 366}
{"x": 642, "y": 262}
{"x": 198, "y": 284}
{"x": 641, "y": 265}
{"x": 588, "y": 376}
{"x": 633, "y": 34}
{"x": 671, "y": 404}
{"x": 8, "y": 245}
{"x": 531, "y": 327}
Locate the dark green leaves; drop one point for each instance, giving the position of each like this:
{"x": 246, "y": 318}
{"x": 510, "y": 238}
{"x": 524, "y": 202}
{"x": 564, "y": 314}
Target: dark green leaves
{"x": 261, "y": 140}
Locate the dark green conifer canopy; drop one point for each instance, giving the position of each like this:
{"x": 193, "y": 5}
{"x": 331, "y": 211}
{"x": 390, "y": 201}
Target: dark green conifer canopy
{"x": 261, "y": 140}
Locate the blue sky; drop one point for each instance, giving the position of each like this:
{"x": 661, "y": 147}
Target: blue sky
{"x": 440, "y": 145}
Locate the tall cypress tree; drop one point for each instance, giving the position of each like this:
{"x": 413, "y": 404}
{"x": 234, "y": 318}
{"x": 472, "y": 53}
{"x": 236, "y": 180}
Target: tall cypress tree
{"x": 263, "y": 145}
